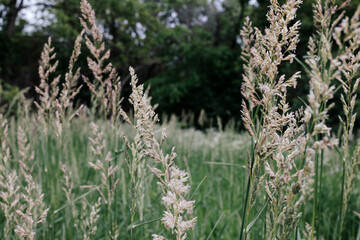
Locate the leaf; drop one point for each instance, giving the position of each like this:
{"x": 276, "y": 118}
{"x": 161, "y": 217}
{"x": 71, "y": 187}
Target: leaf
{"x": 256, "y": 217}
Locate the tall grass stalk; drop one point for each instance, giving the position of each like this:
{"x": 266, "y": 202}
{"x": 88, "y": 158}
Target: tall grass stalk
{"x": 143, "y": 120}
{"x": 245, "y": 212}
{"x": 325, "y": 67}
{"x": 107, "y": 86}
{"x": 277, "y": 127}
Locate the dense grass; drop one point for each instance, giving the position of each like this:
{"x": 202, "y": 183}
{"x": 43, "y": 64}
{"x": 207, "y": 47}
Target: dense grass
{"x": 100, "y": 173}
{"x": 215, "y": 160}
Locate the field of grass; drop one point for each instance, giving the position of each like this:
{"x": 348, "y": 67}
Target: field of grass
{"x": 215, "y": 161}
{"x": 96, "y": 172}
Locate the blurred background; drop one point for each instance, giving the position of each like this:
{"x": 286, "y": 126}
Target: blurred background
{"x": 188, "y": 51}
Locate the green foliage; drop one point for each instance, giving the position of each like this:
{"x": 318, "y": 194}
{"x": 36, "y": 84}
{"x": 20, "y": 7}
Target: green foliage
{"x": 8, "y": 92}
{"x": 214, "y": 160}
{"x": 201, "y": 76}
{"x": 187, "y": 50}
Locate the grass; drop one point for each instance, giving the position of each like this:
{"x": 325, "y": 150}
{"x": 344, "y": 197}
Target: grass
{"x": 98, "y": 173}
{"x": 218, "y": 185}
{"x": 216, "y": 162}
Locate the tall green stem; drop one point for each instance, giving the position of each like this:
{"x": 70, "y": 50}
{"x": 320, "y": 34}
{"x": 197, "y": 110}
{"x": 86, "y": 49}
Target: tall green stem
{"x": 342, "y": 199}
{"x": 314, "y": 224}
{"x": 245, "y": 215}
{"x": 320, "y": 188}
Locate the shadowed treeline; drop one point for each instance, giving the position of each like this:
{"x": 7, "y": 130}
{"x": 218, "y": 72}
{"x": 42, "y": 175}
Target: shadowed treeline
{"x": 187, "y": 51}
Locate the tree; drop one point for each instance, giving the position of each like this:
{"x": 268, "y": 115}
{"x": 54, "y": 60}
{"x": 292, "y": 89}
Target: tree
{"x": 9, "y": 13}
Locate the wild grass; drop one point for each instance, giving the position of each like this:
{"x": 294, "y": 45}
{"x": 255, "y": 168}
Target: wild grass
{"x": 216, "y": 164}
{"x": 96, "y": 172}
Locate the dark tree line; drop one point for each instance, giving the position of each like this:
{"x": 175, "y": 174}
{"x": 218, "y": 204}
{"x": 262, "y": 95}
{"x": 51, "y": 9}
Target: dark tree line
{"x": 187, "y": 50}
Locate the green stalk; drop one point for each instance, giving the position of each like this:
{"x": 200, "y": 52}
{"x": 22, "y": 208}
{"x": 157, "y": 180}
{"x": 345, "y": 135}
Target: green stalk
{"x": 345, "y": 158}
{"x": 309, "y": 130}
{"x": 45, "y": 168}
{"x": 322, "y": 107}
{"x": 320, "y": 188}
{"x": 43, "y": 176}
{"x": 110, "y": 217}
{"x": 132, "y": 209}
{"x": 342, "y": 199}
{"x": 313, "y": 224}
{"x": 115, "y": 195}
{"x": 244, "y": 215}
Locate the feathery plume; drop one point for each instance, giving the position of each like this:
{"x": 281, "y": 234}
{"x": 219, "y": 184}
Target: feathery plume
{"x": 33, "y": 215}
{"x": 171, "y": 179}
{"x": 278, "y": 135}
{"x": 9, "y": 182}
{"x": 106, "y": 90}
{"x": 90, "y": 220}
{"x": 107, "y": 172}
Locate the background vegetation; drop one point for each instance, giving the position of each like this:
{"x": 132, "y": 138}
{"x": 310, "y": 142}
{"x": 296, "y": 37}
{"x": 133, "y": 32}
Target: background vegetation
{"x": 187, "y": 50}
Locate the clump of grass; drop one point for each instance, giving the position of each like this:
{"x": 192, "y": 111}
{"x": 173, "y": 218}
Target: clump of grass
{"x": 33, "y": 213}
{"x": 143, "y": 120}
{"x": 107, "y": 173}
{"x": 90, "y": 220}
{"x": 23, "y": 208}
{"x": 321, "y": 93}
{"x": 55, "y": 112}
{"x": 268, "y": 120}
{"x": 9, "y": 182}
{"x": 284, "y": 146}
{"x": 171, "y": 178}
{"x": 324, "y": 68}
{"x": 32, "y": 198}
{"x": 350, "y": 61}
{"x": 277, "y": 133}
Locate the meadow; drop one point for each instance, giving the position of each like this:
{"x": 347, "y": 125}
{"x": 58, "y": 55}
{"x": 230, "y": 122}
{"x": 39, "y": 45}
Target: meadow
{"x": 70, "y": 171}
